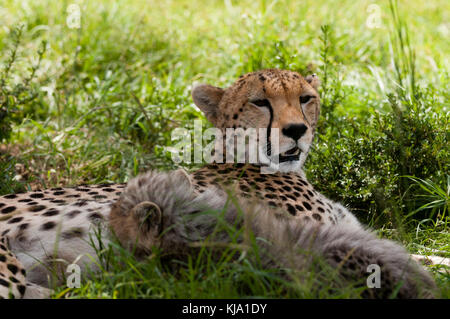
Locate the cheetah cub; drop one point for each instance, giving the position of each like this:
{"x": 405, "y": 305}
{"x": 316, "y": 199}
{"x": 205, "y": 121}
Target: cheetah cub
{"x": 163, "y": 210}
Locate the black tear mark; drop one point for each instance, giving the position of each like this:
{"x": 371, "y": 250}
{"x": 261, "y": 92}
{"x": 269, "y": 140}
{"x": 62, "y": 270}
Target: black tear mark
{"x": 269, "y": 128}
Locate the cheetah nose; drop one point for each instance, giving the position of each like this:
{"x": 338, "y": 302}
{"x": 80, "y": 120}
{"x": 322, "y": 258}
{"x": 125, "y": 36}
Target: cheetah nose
{"x": 294, "y": 131}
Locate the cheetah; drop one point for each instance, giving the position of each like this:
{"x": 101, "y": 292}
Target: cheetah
{"x": 46, "y": 230}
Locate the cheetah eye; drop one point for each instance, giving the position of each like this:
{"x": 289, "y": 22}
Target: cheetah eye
{"x": 305, "y": 98}
{"x": 261, "y": 103}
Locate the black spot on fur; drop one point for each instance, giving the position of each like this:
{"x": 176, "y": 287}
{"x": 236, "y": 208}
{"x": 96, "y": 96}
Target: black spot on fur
{"x": 244, "y": 188}
{"x": 59, "y": 201}
{"x": 81, "y": 202}
{"x": 23, "y": 226}
{"x": 95, "y": 217}
{"x": 48, "y": 226}
{"x": 73, "y": 196}
{"x": 73, "y": 213}
{"x": 51, "y": 212}
{"x": 37, "y": 195}
{"x": 12, "y": 268}
{"x": 15, "y": 220}
{"x": 36, "y": 208}
{"x": 11, "y": 196}
{"x": 73, "y": 233}
{"x": 13, "y": 279}
{"x": 59, "y": 193}
{"x": 21, "y": 289}
{"x": 104, "y": 185}
{"x": 299, "y": 207}
{"x": 307, "y": 206}
{"x": 273, "y": 204}
{"x": 8, "y": 209}
{"x": 4, "y": 283}
{"x": 291, "y": 196}
{"x": 302, "y": 182}
{"x": 2, "y": 258}
{"x": 291, "y": 209}
{"x": 317, "y": 217}
{"x": 199, "y": 177}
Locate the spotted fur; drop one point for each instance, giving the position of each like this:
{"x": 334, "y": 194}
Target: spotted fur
{"x": 44, "y": 231}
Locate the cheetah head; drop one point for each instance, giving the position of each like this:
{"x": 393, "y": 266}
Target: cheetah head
{"x": 279, "y": 103}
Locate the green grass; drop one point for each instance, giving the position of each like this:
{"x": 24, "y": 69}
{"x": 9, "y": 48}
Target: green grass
{"x": 100, "y": 105}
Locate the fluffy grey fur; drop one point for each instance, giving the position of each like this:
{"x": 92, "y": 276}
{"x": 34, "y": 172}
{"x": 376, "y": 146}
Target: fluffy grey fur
{"x": 180, "y": 224}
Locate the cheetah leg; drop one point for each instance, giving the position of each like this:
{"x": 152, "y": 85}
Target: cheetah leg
{"x": 432, "y": 260}
{"x": 12, "y": 273}
{"x": 397, "y": 269}
{"x": 34, "y": 291}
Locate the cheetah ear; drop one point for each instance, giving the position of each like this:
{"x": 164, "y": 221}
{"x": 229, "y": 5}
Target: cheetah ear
{"x": 313, "y": 80}
{"x": 148, "y": 215}
{"x": 207, "y": 98}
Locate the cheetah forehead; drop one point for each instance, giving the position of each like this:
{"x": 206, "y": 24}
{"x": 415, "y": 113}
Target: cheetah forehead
{"x": 272, "y": 82}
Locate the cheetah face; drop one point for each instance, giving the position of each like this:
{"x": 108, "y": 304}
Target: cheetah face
{"x": 282, "y": 105}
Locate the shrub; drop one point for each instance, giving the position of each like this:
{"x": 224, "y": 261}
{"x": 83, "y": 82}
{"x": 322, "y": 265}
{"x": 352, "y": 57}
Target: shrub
{"x": 15, "y": 93}
{"x": 364, "y": 162}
